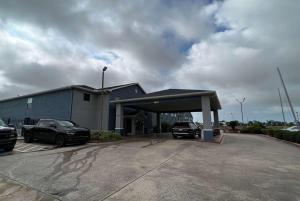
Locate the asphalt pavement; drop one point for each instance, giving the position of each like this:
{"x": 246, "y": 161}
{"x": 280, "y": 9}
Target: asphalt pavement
{"x": 244, "y": 167}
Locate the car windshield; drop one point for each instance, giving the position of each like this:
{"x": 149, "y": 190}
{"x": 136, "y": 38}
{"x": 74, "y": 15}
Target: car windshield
{"x": 2, "y": 123}
{"x": 66, "y": 123}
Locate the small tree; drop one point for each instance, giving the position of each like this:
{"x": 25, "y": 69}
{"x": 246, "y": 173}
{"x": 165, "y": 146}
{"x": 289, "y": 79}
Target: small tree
{"x": 233, "y": 124}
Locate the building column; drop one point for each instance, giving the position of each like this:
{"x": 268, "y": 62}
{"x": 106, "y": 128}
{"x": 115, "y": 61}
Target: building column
{"x": 119, "y": 118}
{"x": 133, "y": 125}
{"x": 158, "y": 122}
{"x": 216, "y": 119}
{"x": 207, "y": 132}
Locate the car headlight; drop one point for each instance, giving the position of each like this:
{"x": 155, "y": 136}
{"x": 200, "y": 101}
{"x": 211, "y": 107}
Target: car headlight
{"x": 70, "y": 132}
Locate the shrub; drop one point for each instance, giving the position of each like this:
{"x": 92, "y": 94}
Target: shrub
{"x": 278, "y": 134}
{"x": 105, "y": 136}
{"x": 283, "y": 134}
{"x": 297, "y": 137}
{"x": 233, "y": 124}
{"x": 289, "y": 136}
{"x": 256, "y": 129}
{"x": 110, "y": 136}
{"x": 95, "y": 135}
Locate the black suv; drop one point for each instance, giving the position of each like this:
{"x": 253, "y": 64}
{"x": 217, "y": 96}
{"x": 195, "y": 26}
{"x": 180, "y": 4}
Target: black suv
{"x": 8, "y": 137}
{"x": 185, "y": 129}
{"x": 59, "y": 132}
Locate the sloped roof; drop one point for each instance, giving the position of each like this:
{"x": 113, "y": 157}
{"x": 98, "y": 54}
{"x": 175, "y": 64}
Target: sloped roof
{"x": 167, "y": 92}
{"x": 79, "y": 87}
{"x": 172, "y": 100}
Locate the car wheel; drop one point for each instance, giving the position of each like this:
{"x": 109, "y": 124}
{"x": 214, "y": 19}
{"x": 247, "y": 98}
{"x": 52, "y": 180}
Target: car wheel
{"x": 60, "y": 141}
{"x": 175, "y": 136}
{"x": 84, "y": 142}
{"x": 193, "y": 136}
{"x": 9, "y": 147}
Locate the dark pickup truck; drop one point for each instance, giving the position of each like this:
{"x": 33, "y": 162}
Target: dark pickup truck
{"x": 185, "y": 129}
{"x": 59, "y": 132}
{"x": 8, "y": 137}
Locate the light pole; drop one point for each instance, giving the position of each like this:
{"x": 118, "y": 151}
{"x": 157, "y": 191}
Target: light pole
{"x": 101, "y": 123}
{"x": 241, "y": 103}
{"x": 232, "y": 118}
{"x": 297, "y": 114}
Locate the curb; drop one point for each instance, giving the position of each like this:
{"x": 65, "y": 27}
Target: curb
{"x": 221, "y": 139}
{"x": 287, "y": 142}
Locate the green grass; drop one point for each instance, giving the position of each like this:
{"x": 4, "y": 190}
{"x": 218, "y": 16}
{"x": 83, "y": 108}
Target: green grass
{"x": 105, "y": 136}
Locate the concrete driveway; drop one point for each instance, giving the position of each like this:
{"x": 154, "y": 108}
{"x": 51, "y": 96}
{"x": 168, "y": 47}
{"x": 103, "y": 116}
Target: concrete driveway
{"x": 244, "y": 167}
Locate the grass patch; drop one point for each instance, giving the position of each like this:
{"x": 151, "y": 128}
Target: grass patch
{"x": 105, "y": 136}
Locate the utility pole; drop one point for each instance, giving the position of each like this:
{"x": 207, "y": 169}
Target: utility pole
{"x": 241, "y": 103}
{"x": 281, "y": 107}
{"x": 288, "y": 98}
{"x": 101, "y": 123}
{"x": 232, "y": 117}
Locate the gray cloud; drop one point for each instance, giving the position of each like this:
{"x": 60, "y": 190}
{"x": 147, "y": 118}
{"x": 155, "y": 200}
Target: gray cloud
{"x": 232, "y": 47}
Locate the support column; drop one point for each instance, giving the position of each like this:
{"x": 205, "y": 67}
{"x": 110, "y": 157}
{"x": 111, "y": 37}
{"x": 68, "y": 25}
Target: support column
{"x": 216, "y": 119}
{"x": 133, "y": 125}
{"x": 158, "y": 123}
{"x": 119, "y": 119}
{"x": 207, "y": 132}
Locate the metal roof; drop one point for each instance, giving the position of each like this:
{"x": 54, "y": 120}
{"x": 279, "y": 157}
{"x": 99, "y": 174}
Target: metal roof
{"x": 172, "y": 100}
{"x": 78, "y": 87}
{"x": 174, "y": 91}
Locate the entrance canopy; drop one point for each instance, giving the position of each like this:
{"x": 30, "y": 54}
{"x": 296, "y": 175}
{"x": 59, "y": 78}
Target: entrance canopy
{"x": 172, "y": 100}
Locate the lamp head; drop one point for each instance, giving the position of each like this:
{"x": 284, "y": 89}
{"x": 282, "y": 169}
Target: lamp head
{"x": 104, "y": 69}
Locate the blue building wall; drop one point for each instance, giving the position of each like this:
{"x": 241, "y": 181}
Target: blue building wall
{"x": 133, "y": 91}
{"x": 51, "y": 105}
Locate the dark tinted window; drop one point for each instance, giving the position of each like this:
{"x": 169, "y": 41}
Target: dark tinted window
{"x": 192, "y": 125}
{"x": 86, "y": 97}
{"x": 66, "y": 123}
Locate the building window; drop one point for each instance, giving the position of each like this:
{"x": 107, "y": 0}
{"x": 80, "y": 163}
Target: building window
{"x": 29, "y": 103}
{"x": 136, "y": 91}
{"x": 86, "y": 97}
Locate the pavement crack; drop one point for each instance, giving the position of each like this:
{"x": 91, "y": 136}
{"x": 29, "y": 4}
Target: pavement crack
{"x": 66, "y": 166}
{"x": 23, "y": 185}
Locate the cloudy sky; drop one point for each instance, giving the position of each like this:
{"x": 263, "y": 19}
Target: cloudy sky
{"x": 231, "y": 46}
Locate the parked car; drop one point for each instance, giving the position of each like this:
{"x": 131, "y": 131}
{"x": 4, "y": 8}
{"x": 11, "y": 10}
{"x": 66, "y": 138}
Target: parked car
{"x": 185, "y": 129}
{"x": 293, "y": 129}
{"x": 60, "y": 132}
{"x": 8, "y": 136}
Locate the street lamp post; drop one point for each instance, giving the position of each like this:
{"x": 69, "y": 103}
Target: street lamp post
{"x": 101, "y": 122}
{"x": 241, "y": 103}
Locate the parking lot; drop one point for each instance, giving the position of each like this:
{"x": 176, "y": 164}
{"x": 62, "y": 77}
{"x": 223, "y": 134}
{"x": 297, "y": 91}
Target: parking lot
{"x": 244, "y": 167}
{"x": 22, "y": 147}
